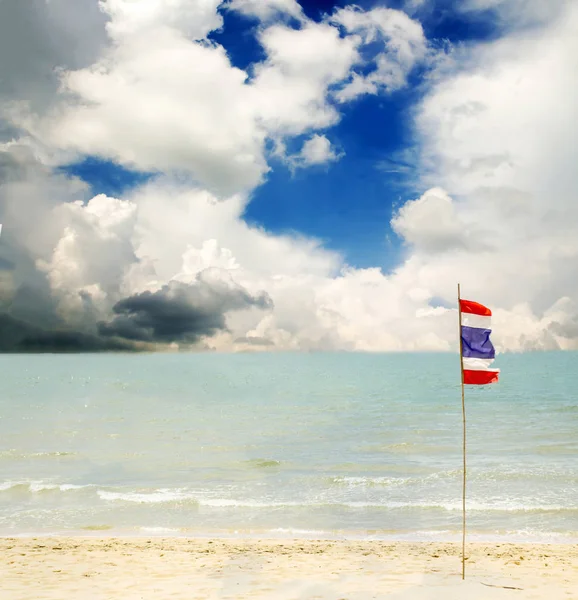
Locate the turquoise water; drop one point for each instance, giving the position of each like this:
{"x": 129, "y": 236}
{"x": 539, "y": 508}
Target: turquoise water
{"x": 313, "y": 445}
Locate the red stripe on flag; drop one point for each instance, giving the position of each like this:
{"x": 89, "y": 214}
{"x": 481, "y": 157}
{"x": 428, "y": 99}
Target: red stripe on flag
{"x": 474, "y": 308}
{"x": 480, "y": 377}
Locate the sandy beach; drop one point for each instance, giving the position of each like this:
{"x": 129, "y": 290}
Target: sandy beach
{"x": 143, "y": 569}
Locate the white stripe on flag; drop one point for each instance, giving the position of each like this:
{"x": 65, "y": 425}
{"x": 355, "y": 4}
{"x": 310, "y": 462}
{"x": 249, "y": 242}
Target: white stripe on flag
{"x": 478, "y": 364}
{"x": 469, "y": 320}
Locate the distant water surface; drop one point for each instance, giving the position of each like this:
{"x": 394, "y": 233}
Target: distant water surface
{"x": 312, "y": 445}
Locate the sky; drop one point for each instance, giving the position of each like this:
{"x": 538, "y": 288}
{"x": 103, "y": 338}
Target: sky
{"x": 272, "y": 175}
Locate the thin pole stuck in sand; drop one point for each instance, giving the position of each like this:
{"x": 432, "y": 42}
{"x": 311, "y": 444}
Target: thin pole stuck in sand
{"x": 464, "y": 440}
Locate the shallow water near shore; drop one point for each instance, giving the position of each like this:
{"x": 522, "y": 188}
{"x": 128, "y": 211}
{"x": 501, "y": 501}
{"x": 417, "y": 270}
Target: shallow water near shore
{"x": 297, "y": 445}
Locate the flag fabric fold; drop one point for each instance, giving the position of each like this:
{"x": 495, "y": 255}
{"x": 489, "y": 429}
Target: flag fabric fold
{"x": 478, "y": 352}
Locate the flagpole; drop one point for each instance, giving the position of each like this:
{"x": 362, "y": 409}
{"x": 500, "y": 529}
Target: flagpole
{"x": 464, "y": 440}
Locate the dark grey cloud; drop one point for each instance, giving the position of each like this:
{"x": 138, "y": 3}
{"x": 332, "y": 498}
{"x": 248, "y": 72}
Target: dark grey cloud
{"x": 37, "y": 37}
{"x": 567, "y": 329}
{"x": 180, "y": 312}
{"x": 6, "y": 264}
{"x": 29, "y": 323}
{"x": 20, "y": 336}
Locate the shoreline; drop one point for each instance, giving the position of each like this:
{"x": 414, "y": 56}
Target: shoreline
{"x": 283, "y": 535}
{"x": 115, "y": 568}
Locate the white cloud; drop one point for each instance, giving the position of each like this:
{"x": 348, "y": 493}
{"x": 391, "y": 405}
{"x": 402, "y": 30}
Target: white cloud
{"x": 87, "y": 266}
{"x": 519, "y": 13}
{"x": 146, "y": 17}
{"x": 317, "y": 150}
{"x": 498, "y": 135}
{"x": 432, "y": 224}
{"x": 291, "y": 88}
{"x": 267, "y": 9}
{"x": 478, "y": 122}
{"x": 194, "y": 117}
{"x": 404, "y": 47}
{"x": 411, "y": 6}
{"x": 29, "y": 192}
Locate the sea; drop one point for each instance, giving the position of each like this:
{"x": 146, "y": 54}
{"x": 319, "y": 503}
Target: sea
{"x": 289, "y": 445}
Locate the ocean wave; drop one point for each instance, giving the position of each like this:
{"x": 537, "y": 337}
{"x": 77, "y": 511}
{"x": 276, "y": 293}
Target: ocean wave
{"x": 37, "y": 487}
{"x": 560, "y": 448}
{"x": 539, "y": 473}
{"x": 181, "y": 495}
{"x": 13, "y": 454}
{"x": 413, "y": 448}
{"x": 204, "y": 499}
{"x": 152, "y": 497}
{"x": 368, "y": 481}
{"x": 471, "y": 506}
{"x": 445, "y": 506}
{"x": 230, "y": 503}
{"x": 362, "y": 482}
{"x": 571, "y": 408}
{"x": 474, "y": 475}
{"x": 159, "y": 530}
{"x": 262, "y": 463}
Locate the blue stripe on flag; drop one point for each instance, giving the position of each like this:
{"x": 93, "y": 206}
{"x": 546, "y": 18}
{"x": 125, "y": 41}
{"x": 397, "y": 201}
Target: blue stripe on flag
{"x": 476, "y": 343}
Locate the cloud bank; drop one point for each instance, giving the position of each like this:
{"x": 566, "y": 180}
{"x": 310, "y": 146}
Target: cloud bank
{"x": 173, "y": 263}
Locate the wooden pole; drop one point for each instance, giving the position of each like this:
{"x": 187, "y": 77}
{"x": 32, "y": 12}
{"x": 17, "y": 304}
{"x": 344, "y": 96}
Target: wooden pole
{"x": 464, "y": 441}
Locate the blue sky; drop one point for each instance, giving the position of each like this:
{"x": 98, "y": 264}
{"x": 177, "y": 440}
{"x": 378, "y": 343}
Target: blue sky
{"x": 346, "y": 204}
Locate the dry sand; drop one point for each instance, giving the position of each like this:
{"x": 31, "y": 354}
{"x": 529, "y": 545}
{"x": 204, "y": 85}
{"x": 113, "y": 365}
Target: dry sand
{"x": 143, "y": 569}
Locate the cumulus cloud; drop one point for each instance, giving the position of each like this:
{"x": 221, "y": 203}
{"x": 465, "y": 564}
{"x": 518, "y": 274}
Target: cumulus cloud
{"x": 126, "y": 269}
{"x": 173, "y": 262}
{"x": 146, "y": 17}
{"x": 267, "y": 9}
{"x": 317, "y": 150}
{"x": 404, "y": 47}
{"x": 433, "y": 224}
{"x": 101, "y": 228}
{"x": 514, "y": 179}
{"x": 195, "y": 117}
{"x": 180, "y": 311}
{"x": 291, "y": 87}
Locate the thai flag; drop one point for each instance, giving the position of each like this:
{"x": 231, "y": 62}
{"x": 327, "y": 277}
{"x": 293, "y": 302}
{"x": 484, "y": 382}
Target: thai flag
{"x": 477, "y": 350}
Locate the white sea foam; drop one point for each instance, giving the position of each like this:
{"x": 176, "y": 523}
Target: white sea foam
{"x": 356, "y": 482}
{"x": 159, "y": 530}
{"x": 201, "y": 498}
{"x": 182, "y": 495}
{"x": 369, "y": 481}
{"x": 13, "y": 454}
{"x": 153, "y": 497}
{"x": 37, "y": 487}
{"x": 299, "y": 533}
